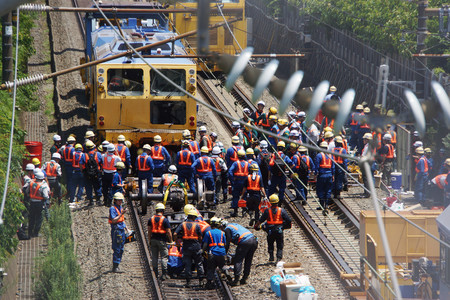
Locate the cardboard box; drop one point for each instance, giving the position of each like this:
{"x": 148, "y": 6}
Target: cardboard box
{"x": 289, "y": 289}
{"x": 293, "y": 268}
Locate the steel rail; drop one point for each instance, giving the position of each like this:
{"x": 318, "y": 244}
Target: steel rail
{"x": 123, "y": 10}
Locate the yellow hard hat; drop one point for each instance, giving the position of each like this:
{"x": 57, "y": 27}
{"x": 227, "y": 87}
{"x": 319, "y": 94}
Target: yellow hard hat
{"x": 90, "y": 144}
{"x": 128, "y": 144}
{"x": 121, "y": 138}
{"x": 359, "y": 107}
{"x": 157, "y": 139}
{"x": 118, "y": 196}
{"x": 119, "y": 165}
{"x": 282, "y": 122}
{"x": 241, "y": 153}
{"x": 447, "y": 162}
{"x": 328, "y": 129}
{"x": 338, "y": 139}
{"x": 273, "y": 110}
{"x": 328, "y": 134}
{"x": 302, "y": 149}
{"x": 78, "y": 146}
{"x": 215, "y": 220}
{"x": 35, "y": 161}
{"x": 273, "y": 118}
{"x": 324, "y": 145}
{"x": 204, "y": 149}
{"x": 254, "y": 167}
{"x": 333, "y": 88}
{"x": 160, "y": 206}
{"x": 100, "y": 148}
{"x": 366, "y": 110}
{"x": 192, "y": 212}
{"x": 419, "y": 150}
{"x": 235, "y": 140}
{"x": 187, "y": 208}
{"x": 89, "y": 134}
{"x": 249, "y": 151}
{"x": 367, "y": 136}
{"x": 71, "y": 139}
{"x": 281, "y": 144}
{"x": 293, "y": 145}
{"x": 427, "y": 150}
{"x": 274, "y": 198}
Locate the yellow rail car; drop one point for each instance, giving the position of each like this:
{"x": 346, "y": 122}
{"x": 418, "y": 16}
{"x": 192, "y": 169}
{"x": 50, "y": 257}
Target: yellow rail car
{"x": 220, "y": 39}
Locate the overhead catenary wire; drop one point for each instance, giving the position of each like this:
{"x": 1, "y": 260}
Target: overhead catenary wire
{"x": 13, "y": 115}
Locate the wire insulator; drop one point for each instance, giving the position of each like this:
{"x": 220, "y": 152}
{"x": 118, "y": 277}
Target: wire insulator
{"x": 34, "y": 7}
{"x": 23, "y": 81}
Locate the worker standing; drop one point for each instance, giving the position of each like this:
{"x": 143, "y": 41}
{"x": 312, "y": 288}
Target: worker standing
{"x": 116, "y": 219}
{"x": 205, "y": 169}
{"x": 56, "y": 144}
{"x": 311, "y": 167}
{"x": 38, "y": 193}
{"x": 117, "y": 182}
{"x": 109, "y": 162}
{"x": 325, "y": 173}
{"x": 237, "y": 174}
{"x": 253, "y": 189}
{"x": 124, "y": 153}
{"x": 194, "y": 147}
{"x": 205, "y": 140}
{"x": 159, "y": 234}
{"x": 300, "y": 175}
{"x": 214, "y": 241}
{"x": 221, "y": 169}
{"x": 387, "y": 154}
{"x": 189, "y": 231}
{"x": 76, "y": 184}
{"x": 53, "y": 171}
{"x": 184, "y": 160}
{"x": 231, "y": 155}
{"x": 160, "y": 156}
{"x": 144, "y": 165}
{"x": 246, "y": 244}
{"x": 340, "y": 168}
{"x": 263, "y": 160}
{"x": 67, "y": 156}
{"x": 421, "y": 176}
{"x": 93, "y": 168}
{"x": 278, "y": 166}
{"x": 277, "y": 220}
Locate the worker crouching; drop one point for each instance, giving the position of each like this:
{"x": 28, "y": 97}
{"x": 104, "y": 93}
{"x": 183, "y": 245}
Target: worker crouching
{"x": 214, "y": 241}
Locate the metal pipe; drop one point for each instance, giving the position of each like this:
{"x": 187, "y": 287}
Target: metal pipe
{"x": 129, "y": 52}
{"x": 209, "y": 56}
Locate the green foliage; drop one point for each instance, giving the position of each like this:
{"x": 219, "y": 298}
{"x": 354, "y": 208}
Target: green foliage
{"x": 59, "y": 272}
{"x": 446, "y": 142}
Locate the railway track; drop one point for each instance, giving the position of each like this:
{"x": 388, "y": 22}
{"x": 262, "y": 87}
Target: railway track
{"x": 336, "y": 236}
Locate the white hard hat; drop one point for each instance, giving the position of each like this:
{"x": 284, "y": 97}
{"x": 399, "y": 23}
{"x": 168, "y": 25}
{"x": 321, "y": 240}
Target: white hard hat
{"x": 157, "y": 139}
{"x": 56, "y": 138}
{"x": 89, "y": 134}
{"x": 172, "y": 169}
{"x": 387, "y": 136}
{"x": 213, "y": 134}
{"x": 418, "y": 144}
{"x": 246, "y": 111}
{"x": 56, "y": 155}
{"x": 71, "y": 139}
{"x": 202, "y": 129}
{"x": 105, "y": 143}
{"x": 220, "y": 145}
{"x": 39, "y": 175}
{"x": 235, "y": 124}
{"x": 111, "y": 148}
{"x": 264, "y": 144}
{"x": 235, "y": 140}
{"x": 261, "y": 103}
{"x": 292, "y": 114}
{"x": 295, "y": 125}
{"x": 216, "y": 151}
{"x": 121, "y": 138}
{"x": 416, "y": 133}
{"x": 294, "y": 133}
{"x": 301, "y": 114}
{"x": 147, "y": 147}
{"x": 29, "y": 167}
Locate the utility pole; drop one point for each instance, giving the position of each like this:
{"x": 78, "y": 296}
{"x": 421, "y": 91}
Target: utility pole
{"x": 7, "y": 59}
{"x": 421, "y": 61}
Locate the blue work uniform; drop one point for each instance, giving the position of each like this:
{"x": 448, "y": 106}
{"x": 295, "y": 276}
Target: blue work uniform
{"x": 191, "y": 245}
{"x": 311, "y": 167}
{"x": 117, "y": 233}
{"x": 93, "y": 184}
{"x": 204, "y": 168}
{"x": 275, "y": 130}
{"x": 275, "y": 217}
{"x": 354, "y": 127}
{"x": 339, "y": 174}
{"x": 117, "y": 180}
{"x": 124, "y": 153}
{"x": 237, "y": 174}
{"x": 325, "y": 170}
{"x": 144, "y": 167}
{"x": 278, "y": 178}
{"x": 67, "y": 157}
{"x": 161, "y": 159}
{"x": 231, "y": 155}
{"x": 77, "y": 178}
{"x": 194, "y": 148}
{"x": 421, "y": 178}
{"x": 215, "y": 240}
{"x": 184, "y": 161}
{"x": 301, "y": 182}
{"x": 254, "y": 184}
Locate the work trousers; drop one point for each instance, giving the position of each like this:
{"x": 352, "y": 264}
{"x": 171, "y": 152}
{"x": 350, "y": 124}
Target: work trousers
{"x": 339, "y": 178}
{"x": 238, "y": 186}
{"x": 159, "y": 250}
{"x": 158, "y": 171}
{"x": 387, "y": 170}
{"x": 214, "y": 261}
{"x": 76, "y": 186}
{"x": 419, "y": 187}
{"x": 221, "y": 185}
{"x": 275, "y": 235}
{"x": 107, "y": 188}
{"x": 55, "y": 187}
{"x": 187, "y": 175}
{"x": 146, "y": 175}
{"x": 280, "y": 182}
{"x": 35, "y": 217}
{"x": 323, "y": 188}
{"x": 93, "y": 185}
{"x": 301, "y": 188}
{"x": 192, "y": 256}
{"x": 245, "y": 251}
{"x": 118, "y": 242}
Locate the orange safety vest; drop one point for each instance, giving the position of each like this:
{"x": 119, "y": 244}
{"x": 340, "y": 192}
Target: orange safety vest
{"x": 354, "y": 122}
{"x": 344, "y": 144}
{"x": 94, "y": 154}
{"x": 109, "y": 165}
{"x": 277, "y": 220}
{"x": 234, "y": 157}
{"x": 34, "y": 190}
{"x": 325, "y": 163}
{"x": 274, "y": 156}
{"x": 193, "y": 149}
{"x": 241, "y": 171}
{"x": 425, "y": 169}
{"x": 217, "y": 165}
{"x": 213, "y": 243}
{"x": 208, "y": 142}
{"x": 203, "y": 225}
{"x": 121, "y": 219}
{"x": 142, "y": 164}
{"x": 157, "y": 154}
{"x": 121, "y": 152}
{"x": 185, "y": 161}
{"x": 379, "y": 144}
{"x": 390, "y": 153}
{"x": 308, "y": 161}
{"x": 331, "y": 125}
{"x": 438, "y": 181}
{"x": 158, "y": 227}
{"x": 205, "y": 168}
{"x": 76, "y": 159}
{"x": 173, "y": 251}
{"x": 190, "y": 234}
{"x": 67, "y": 154}
{"x": 338, "y": 159}
{"x": 394, "y": 137}
{"x": 50, "y": 170}
{"x": 253, "y": 185}
{"x": 264, "y": 123}
{"x": 168, "y": 178}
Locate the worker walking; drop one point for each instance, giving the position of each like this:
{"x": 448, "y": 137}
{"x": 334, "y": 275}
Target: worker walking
{"x": 117, "y": 182}
{"x": 144, "y": 165}
{"x": 159, "y": 234}
{"x": 76, "y": 184}
{"x": 205, "y": 140}
{"x": 38, "y": 193}
{"x": 246, "y": 244}
{"x": 253, "y": 189}
{"x": 387, "y": 154}
{"x": 160, "y": 156}
{"x": 278, "y": 166}
{"x": 325, "y": 173}
{"x": 237, "y": 174}
{"x": 214, "y": 242}
{"x": 184, "y": 160}
{"x": 204, "y": 168}
{"x": 93, "y": 167}
{"x": 222, "y": 178}
{"x": 300, "y": 173}
{"x": 421, "y": 176}
{"x": 309, "y": 162}
{"x": 54, "y": 173}
{"x": 340, "y": 168}
{"x": 189, "y": 231}
{"x": 116, "y": 219}
{"x": 277, "y": 220}
{"x": 231, "y": 155}
{"x": 109, "y": 168}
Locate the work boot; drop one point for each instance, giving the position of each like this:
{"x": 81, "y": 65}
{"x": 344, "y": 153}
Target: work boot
{"x": 271, "y": 258}
{"x": 115, "y": 268}
{"x": 345, "y": 189}
{"x": 235, "y": 282}
{"x": 235, "y": 213}
{"x": 188, "y": 283}
{"x": 209, "y": 285}
{"x": 325, "y": 212}
{"x": 224, "y": 200}
{"x": 244, "y": 280}
{"x": 252, "y": 221}
{"x": 91, "y": 202}
{"x": 163, "y": 276}
{"x": 303, "y": 202}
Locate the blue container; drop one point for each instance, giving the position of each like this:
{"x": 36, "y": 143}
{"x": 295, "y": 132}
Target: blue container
{"x": 396, "y": 180}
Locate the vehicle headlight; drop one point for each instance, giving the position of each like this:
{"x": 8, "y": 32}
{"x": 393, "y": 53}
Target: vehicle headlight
{"x": 101, "y": 70}
{"x": 192, "y": 80}
{"x": 101, "y": 79}
{"x": 191, "y": 71}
